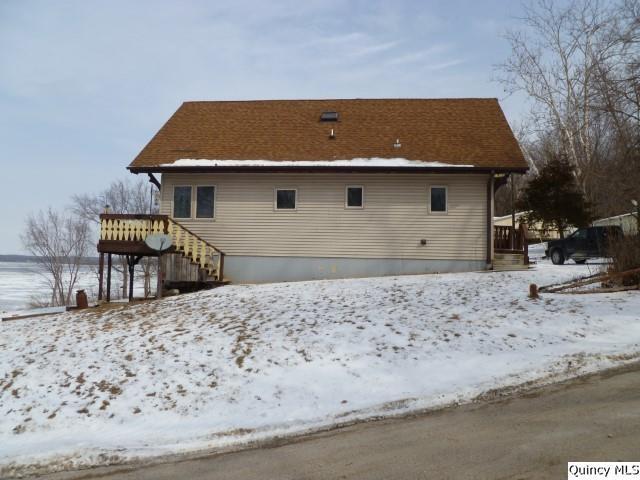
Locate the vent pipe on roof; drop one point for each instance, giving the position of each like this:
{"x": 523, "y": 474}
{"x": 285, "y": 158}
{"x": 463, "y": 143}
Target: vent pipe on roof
{"x": 397, "y": 144}
{"x": 332, "y": 134}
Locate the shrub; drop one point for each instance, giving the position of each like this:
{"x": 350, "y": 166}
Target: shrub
{"x": 625, "y": 255}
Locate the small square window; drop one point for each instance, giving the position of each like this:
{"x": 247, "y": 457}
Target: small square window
{"x": 438, "y": 200}
{"x": 182, "y": 202}
{"x": 205, "y": 198}
{"x": 355, "y": 197}
{"x": 286, "y": 199}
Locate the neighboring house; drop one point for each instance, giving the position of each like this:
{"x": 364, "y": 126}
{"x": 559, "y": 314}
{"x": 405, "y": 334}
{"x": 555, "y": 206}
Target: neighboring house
{"x": 535, "y": 232}
{"x": 310, "y": 189}
{"x": 628, "y": 222}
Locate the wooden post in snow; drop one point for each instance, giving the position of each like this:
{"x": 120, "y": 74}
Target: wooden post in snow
{"x": 100, "y": 276}
{"x": 108, "y": 277}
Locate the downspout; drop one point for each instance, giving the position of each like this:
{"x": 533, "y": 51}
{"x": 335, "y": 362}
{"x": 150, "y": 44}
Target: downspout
{"x": 154, "y": 180}
{"x": 490, "y": 186}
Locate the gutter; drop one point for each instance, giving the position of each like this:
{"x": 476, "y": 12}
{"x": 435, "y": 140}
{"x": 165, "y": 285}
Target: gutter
{"x": 326, "y": 169}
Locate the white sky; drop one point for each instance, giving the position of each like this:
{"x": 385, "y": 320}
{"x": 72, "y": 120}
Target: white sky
{"x": 85, "y": 84}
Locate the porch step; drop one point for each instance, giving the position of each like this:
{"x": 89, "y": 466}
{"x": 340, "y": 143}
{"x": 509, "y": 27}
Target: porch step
{"x": 508, "y": 256}
{"x": 509, "y": 261}
{"x": 194, "y": 286}
{"x": 505, "y": 268}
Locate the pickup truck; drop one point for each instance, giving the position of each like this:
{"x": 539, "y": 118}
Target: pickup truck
{"x": 584, "y": 243}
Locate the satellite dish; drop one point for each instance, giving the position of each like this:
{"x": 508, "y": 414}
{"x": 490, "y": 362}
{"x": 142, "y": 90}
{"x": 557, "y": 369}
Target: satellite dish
{"x": 158, "y": 242}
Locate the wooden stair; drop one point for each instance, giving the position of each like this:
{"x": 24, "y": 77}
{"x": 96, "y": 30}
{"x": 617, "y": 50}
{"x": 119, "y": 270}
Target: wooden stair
{"x": 197, "y": 251}
{"x": 509, "y": 261}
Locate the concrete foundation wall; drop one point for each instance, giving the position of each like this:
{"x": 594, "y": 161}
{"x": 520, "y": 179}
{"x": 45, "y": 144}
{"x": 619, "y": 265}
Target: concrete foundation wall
{"x": 253, "y": 269}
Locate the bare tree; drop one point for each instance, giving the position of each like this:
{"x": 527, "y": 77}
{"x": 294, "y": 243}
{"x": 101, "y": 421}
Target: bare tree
{"x": 579, "y": 64}
{"x": 554, "y": 59}
{"x": 121, "y": 196}
{"x": 59, "y": 242}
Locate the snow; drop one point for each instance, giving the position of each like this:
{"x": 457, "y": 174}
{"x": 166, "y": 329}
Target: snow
{"x": 352, "y": 162}
{"x": 32, "y": 312}
{"x": 24, "y": 282}
{"x": 243, "y": 363}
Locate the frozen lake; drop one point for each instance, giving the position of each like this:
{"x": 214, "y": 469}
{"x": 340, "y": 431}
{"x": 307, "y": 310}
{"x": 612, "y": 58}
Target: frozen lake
{"x": 22, "y": 282}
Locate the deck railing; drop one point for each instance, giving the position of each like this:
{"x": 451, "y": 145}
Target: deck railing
{"x": 131, "y": 228}
{"x": 512, "y": 240}
{"x": 115, "y": 229}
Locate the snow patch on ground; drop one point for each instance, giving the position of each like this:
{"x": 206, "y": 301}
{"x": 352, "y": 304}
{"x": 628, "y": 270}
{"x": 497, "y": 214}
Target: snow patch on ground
{"x": 244, "y": 363}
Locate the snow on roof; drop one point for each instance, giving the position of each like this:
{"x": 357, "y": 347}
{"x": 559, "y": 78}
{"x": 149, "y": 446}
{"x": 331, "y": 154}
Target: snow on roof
{"x": 353, "y": 162}
{"x": 504, "y": 217}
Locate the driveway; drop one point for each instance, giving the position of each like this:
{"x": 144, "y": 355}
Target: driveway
{"x": 529, "y": 436}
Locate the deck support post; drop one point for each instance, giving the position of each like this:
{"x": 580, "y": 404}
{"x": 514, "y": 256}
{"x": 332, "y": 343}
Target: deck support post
{"x": 132, "y": 269}
{"x": 159, "y": 275}
{"x": 132, "y": 261}
{"x": 100, "y": 275}
{"x": 490, "y": 193}
{"x": 109, "y": 277}
{"x": 221, "y": 267}
{"x": 513, "y": 212}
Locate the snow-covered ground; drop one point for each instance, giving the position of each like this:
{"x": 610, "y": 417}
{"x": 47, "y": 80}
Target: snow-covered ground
{"x": 243, "y": 363}
{"x": 22, "y": 283}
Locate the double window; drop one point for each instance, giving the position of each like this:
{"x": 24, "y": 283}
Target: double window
{"x": 184, "y": 200}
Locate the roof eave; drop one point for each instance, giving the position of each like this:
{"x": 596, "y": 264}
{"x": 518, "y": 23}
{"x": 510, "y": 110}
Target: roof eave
{"x": 323, "y": 169}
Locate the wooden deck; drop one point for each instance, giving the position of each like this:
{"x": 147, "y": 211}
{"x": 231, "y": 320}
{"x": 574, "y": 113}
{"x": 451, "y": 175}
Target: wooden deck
{"x": 125, "y": 234}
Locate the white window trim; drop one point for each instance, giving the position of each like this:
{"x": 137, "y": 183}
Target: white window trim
{"x": 346, "y": 197}
{"x": 173, "y": 202}
{"x": 275, "y": 199}
{"x": 446, "y": 203}
{"x": 195, "y": 202}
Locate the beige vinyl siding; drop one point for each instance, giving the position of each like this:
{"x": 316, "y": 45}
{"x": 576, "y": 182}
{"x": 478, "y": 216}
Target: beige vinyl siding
{"x": 394, "y": 219}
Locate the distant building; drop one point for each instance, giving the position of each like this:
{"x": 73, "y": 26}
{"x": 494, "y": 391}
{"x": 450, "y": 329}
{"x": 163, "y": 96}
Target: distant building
{"x": 627, "y": 221}
{"x": 534, "y": 231}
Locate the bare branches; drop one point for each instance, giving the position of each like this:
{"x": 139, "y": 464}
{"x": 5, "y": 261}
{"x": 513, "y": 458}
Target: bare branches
{"x": 121, "y": 196}
{"x": 60, "y": 242}
{"x": 579, "y": 64}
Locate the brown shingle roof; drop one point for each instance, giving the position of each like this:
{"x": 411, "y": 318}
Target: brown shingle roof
{"x": 453, "y": 131}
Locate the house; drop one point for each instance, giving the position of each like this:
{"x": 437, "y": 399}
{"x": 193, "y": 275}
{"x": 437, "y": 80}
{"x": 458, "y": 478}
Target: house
{"x": 310, "y": 189}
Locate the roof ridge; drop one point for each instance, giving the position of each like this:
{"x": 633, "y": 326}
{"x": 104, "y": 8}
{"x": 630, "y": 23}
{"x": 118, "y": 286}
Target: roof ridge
{"x": 265, "y": 100}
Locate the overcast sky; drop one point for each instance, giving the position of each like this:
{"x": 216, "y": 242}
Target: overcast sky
{"x": 85, "y": 84}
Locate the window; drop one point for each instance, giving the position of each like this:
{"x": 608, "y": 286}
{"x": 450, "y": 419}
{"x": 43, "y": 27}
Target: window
{"x": 438, "y": 200}
{"x": 182, "y": 202}
{"x": 205, "y": 198}
{"x": 580, "y": 234}
{"x": 286, "y": 199}
{"x": 355, "y": 197}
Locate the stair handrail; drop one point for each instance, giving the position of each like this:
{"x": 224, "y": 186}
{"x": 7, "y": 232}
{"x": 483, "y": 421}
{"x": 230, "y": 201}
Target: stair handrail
{"x": 196, "y": 235}
{"x": 221, "y": 254}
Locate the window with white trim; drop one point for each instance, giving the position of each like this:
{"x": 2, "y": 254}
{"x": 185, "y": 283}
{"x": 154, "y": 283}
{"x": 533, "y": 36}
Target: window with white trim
{"x": 182, "y": 202}
{"x": 286, "y": 198}
{"x": 438, "y": 199}
{"x": 354, "y": 196}
{"x": 205, "y": 201}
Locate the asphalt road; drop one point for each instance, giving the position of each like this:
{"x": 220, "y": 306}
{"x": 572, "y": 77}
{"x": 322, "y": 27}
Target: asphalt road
{"x": 530, "y": 436}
